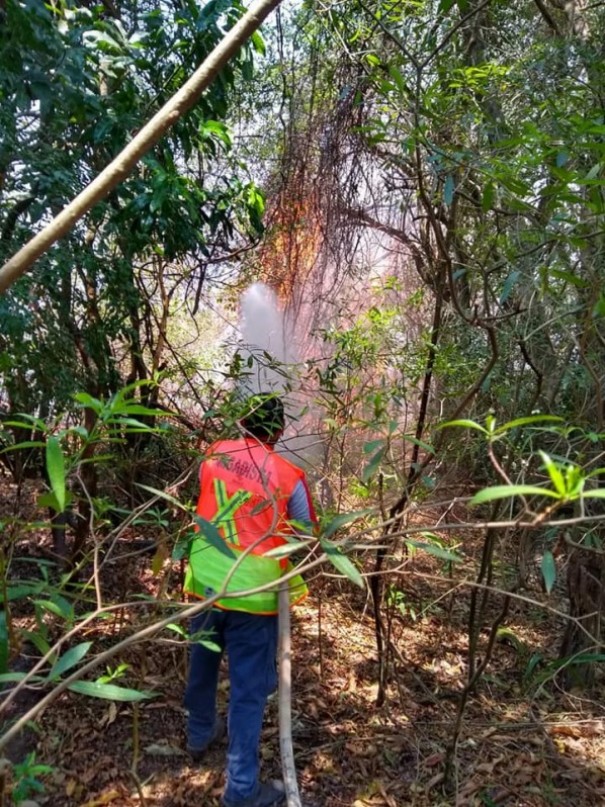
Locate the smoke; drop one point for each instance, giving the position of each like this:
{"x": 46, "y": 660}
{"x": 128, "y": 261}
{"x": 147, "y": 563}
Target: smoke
{"x": 267, "y": 349}
{"x": 271, "y": 364}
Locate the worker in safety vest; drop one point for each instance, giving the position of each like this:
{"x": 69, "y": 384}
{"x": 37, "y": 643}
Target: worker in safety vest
{"x": 249, "y": 496}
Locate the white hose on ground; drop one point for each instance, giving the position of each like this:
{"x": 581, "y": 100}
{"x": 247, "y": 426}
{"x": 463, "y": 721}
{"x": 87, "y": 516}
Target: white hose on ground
{"x": 285, "y": 699}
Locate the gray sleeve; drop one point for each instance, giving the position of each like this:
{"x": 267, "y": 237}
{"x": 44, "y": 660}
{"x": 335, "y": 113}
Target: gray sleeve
{"x": 299, "y": 506}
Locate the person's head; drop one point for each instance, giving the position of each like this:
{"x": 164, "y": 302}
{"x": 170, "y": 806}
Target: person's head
{"x": 264, "y": 417}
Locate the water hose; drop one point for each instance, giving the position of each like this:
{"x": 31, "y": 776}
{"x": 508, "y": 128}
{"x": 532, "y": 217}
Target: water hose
{"x": 285, "y": 699}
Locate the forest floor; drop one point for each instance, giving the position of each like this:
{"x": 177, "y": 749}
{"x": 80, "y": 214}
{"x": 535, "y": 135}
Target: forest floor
{"x": 524, "y": 742}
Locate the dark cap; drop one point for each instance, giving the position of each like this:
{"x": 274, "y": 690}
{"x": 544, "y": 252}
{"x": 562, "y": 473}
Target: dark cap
{"x": 264, "y": 415}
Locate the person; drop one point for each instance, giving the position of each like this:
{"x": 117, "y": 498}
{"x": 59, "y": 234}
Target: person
{"x": 249, "y": 498}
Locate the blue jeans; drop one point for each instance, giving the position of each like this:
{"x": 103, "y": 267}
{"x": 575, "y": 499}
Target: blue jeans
{"x": 251, "y": 644}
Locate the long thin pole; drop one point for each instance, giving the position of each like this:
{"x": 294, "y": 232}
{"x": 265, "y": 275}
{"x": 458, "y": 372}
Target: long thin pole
{"x": 285, "y": 699}
{"x": 147, "y": 137}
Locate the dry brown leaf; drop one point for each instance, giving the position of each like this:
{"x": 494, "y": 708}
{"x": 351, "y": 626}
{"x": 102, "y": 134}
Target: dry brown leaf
{"x": 434, "y": 759}
{"x": 103, "y": 799}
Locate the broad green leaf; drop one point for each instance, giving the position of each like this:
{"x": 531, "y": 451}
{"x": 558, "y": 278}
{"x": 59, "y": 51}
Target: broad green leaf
{"x": 465, "y": 424}
{"x": 341, "y": 562}
{"x": 58, "y": 606}
{"x": 48, "y": 499}
{"x": 31, "y": 421}
{"x": 489, "y": 194}
{"x": 39, "y": 641}
{"x": 138, "y": 409}
{"x": 177, "y": 628}
{"x": 13, "y": 677}
{"x": 55, "y": 467}
{"x": 25, "y": 444}
{"x": 525, "y": 421}
{"x": 258, "y": 43}
{"x": 594, "y": 494}
{"x": 110, "y": 692}
{"x": 549, "y": 570}
{"x": 213, "y": 646}
{"x": 133, "y": 426}
{"x": 373, "y": 465}
{"x": 397, "y": 78}
{"x": 372, "y": 445}
{"x": 182, "y": 548}
{"x": 68, "y": 660}
{"x": 506, "y": 491}
{"x": 416, "y": 442}
{"x": 554, "y": 472}
{"x": 86, "y": 400}
{"x": 509, "y": 285}
{"x": 212, "y": 535}
{"x": 338, "y": 522}
{"x": 286, "y": 549}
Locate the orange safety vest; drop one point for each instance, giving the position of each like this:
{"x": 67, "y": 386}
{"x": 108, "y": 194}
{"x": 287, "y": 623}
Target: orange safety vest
{"x": 244, "y": 492}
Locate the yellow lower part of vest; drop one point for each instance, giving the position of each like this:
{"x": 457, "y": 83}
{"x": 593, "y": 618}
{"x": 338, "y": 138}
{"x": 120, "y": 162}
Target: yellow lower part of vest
{"x": 209, "y": 569}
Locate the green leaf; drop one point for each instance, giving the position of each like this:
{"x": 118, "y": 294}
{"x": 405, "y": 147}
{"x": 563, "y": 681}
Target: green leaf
{"x": 373, "y": 465}
{"x": 182, "y": 548}
{"x": 549, "y": 570}
{"x": 87, "y": 401}
{"x": 176, "y": 628}
{"x": 466, "y": 424}
{"x": 594, "y": 494}
{"x": 525, "y": 421}
{"x": 212, "y": 646}
{"x": 509, "y": 285}
{"x": 258, "y": 43}
{"x": 212, "y": 535}
{"x": 286, "y": 549}
{"x": 487, "y": 199}
{"x": 14, "y": 677}
{"x": 372, "y": 445}
{"x": 128, "y": 408}
{"x": 408, "y": 438}
{"x": 554, "y": 472}
{"x": 506, "y": 491}
{"x": 55, "y": 467}
{"x": 69, "y": 660}
{"x": 37, "y": 639}
{"x": 25, "y": 444}
{"x": 48, "y": 499}
{"x": 342, "y": 563}
{"x": 110, "y": 692}
{"x": 435, "y": 550}
{"x": 58, "y": 606}
{"x": 448, "y": 190}
{"x": 162, "y": 495}
{"x": 342, "y": 520}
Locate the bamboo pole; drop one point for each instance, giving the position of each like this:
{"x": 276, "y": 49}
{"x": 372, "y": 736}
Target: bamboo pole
{"x": 119, "y": 168}
{"x": 285, "y": 699}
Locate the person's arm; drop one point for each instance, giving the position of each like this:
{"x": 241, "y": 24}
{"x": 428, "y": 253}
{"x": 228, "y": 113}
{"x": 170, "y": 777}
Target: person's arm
{"x": 300, "y": 507}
